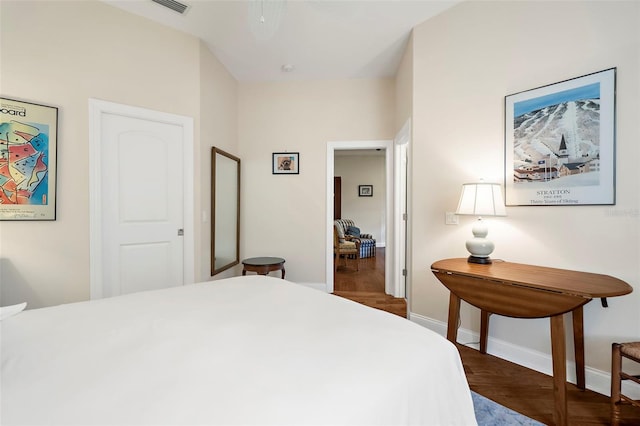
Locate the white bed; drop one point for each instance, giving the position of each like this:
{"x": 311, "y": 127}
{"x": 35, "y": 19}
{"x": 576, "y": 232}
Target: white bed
{"x": 245, "y": 350}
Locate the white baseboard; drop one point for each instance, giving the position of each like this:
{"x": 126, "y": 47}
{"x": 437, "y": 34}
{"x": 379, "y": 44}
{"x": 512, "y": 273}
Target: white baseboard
{"x": 596, "y": 380}
{"x": 318, "y": 286}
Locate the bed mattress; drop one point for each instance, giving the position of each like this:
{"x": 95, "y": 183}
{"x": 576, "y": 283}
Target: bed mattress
{"x": 244, "y": 350}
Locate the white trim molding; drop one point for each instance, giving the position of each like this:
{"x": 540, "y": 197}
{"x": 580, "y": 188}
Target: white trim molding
{"x": 400, "y": 200}
{"x": 596, "y": 380}
{"x": 316, "y": 286}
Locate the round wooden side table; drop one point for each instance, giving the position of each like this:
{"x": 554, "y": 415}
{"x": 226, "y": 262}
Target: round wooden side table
{"x": 263, "y": 265}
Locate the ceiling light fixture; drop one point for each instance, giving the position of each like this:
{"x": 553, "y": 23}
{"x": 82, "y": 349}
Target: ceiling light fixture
{"x": 265, "y": 17}
{"x": 288, "y": 68}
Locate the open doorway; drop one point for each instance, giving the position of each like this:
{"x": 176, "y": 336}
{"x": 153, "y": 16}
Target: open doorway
{"x": 386, "y": 149}
{"x": 397, "y": 224}
{"x": 360, "y": 192}
{"x": 359, "y": 211}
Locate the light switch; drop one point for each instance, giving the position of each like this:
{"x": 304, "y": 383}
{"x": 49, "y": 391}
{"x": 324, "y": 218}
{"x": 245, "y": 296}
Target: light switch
{"x": 451, "y": 218}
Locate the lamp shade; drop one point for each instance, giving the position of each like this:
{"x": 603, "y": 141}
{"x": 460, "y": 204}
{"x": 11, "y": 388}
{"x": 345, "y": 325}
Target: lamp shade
{"x": 481, "y": 199}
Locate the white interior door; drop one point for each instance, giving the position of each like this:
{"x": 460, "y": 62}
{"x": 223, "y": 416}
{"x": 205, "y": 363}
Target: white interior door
{"x": 402, "y": 222}
{"x": 401, "y": 268}
{"x": 142, "y": 201}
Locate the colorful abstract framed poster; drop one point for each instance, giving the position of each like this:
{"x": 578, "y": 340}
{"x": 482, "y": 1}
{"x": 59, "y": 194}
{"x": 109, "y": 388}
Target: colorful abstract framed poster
{"x": 560, "y": 143}
{"x": 28, "y": 142}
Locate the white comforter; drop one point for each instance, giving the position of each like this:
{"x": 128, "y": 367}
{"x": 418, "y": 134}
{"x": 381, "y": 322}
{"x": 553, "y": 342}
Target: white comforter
{"x": 246, "y": 350}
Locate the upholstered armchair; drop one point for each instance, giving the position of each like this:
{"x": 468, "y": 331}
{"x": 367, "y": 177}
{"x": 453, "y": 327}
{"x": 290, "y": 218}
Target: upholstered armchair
{"x": 347, "y": 230}
{"x": 345, "y": 249}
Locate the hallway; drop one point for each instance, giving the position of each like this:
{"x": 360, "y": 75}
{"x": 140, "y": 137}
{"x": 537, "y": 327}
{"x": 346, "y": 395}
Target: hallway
{"x": 367, "y": 285}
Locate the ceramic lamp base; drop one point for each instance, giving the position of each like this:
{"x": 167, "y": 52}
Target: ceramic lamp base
{"x": 479, "y": 260}
{"x": 479, "y": 247}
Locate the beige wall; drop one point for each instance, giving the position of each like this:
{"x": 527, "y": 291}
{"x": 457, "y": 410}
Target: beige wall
{"x": 404, "y": 86}
{"x": 285, "y": 215}
{"x": 219, "y": 128}
{"x": 62, "y": 54}
{"x": 465, "y": 61}
{"x": 116, "y": 58}
{"x": 368, "y": 213}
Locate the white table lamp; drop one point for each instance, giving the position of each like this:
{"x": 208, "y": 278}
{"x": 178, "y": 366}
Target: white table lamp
{"x": 480, "y": 199}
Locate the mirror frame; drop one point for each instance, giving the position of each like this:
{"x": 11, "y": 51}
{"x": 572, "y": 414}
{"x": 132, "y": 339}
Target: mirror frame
{"x": 215, "y": 152}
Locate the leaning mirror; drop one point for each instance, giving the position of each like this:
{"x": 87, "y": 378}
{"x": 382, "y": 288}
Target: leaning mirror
{"x": 225, "y": 210}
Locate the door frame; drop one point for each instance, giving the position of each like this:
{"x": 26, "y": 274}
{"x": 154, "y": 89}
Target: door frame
{"x": 98, "y": 108}
{"x": 400, "y": 207}
{"x": 387, "y": 145}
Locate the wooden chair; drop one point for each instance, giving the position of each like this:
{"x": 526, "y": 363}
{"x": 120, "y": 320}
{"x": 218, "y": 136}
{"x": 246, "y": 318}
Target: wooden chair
{"x": 345, "y": 248}
{"x": 618, "y": 352}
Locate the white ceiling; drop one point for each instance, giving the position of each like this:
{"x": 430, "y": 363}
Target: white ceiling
{"x": 322, "y": 39}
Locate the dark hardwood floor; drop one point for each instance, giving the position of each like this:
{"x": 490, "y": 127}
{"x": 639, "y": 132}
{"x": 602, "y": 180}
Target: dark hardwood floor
{"x": 366, "y": 286}
{"x": 531, "y": 393}
{"x": 519, "y": 388}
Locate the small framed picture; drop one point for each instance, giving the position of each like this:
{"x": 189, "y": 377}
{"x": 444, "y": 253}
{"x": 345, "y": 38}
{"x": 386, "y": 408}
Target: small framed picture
{"x": 286, "y": 163}
{"x": 365, "y": 190}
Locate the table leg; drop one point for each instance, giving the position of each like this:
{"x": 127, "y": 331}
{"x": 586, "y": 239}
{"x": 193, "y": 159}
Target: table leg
{"x": 283, "y": 272}
{"x": 578, "y": 343}
{"x": 244, "y": 271}
{"x": 484, "y": 330}
{"x": 559, "y": 357}
{"x": 454, "y": 315}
